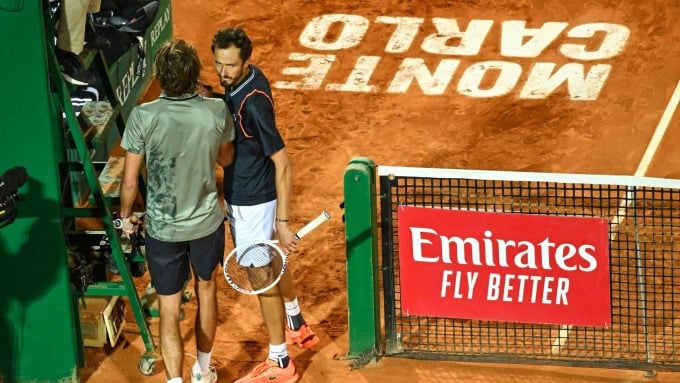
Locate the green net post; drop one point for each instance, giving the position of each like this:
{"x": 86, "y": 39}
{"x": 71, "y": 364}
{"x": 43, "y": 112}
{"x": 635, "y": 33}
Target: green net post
{"x": 362, "y": 259}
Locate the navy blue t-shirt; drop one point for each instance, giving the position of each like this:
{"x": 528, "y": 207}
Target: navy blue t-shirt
{"x": 250, "y": 179}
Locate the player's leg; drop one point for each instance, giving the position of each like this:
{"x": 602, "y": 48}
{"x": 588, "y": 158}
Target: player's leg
{"x": 248, "y": 224}
{"x": 297, "y": 330}
{"x": 171, "y": 339}
{"x": 279, "y": 366}
{"x": 254, "y": 223}
{"x": 169, "y": 267}
{"x": 274, "y": 315}
{"x": 205, "y": 254}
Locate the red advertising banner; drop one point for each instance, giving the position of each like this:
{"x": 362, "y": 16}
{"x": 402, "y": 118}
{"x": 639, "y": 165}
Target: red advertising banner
{"x": 504, "y": 266}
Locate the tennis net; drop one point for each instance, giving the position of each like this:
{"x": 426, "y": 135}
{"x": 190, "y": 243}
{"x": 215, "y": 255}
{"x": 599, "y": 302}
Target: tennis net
{"x": 642, "y": 230}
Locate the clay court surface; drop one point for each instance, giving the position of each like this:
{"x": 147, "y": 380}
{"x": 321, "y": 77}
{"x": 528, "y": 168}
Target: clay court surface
{"x": 605, "y": 130}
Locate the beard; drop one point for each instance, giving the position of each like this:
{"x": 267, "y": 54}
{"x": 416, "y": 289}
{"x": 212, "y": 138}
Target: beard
{"x": 226, "y": 82}
{"x": 229, "y": 81}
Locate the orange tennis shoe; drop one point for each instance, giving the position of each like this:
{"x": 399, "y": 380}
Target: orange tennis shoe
{"x": 304, "y": 337}
{"x": 270, "y": 372}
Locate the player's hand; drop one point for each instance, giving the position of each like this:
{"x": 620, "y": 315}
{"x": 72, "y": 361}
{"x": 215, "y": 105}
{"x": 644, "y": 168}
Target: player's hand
{"x": 130, "y": 225}
{"x": 287, "y": 238}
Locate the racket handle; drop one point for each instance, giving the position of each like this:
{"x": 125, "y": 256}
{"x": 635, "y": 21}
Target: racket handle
{"x": 323, "y": 217}
{"x": 119, "y": 224}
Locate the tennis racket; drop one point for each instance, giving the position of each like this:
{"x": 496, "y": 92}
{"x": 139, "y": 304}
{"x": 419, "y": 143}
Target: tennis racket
{"x": 256, "y": 267}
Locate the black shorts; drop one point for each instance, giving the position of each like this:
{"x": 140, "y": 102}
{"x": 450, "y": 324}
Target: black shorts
{"x": 169, "y": 261}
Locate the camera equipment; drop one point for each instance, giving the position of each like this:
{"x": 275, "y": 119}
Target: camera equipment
{"x": 81, "y": 269}
{"x": 10, "y": 182}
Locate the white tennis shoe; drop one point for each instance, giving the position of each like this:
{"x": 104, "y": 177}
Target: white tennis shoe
{"x": 205, "y": 377}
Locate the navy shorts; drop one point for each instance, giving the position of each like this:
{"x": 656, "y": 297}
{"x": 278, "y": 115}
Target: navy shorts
{"x": 170, "y": 262}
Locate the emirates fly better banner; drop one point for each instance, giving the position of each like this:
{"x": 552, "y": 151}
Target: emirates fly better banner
{"x": 504, "y": 266}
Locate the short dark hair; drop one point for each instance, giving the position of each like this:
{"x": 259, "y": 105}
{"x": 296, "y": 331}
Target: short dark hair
{"x": 177, "y": 67}
{"x": 237, "y": 37}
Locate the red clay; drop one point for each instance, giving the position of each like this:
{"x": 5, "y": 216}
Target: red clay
{"x": 325, "y": 128}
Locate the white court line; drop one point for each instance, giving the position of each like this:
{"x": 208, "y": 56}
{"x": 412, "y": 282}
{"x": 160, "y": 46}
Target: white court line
{"x": 659, "y": 132}
{"x": 563, "y": 334}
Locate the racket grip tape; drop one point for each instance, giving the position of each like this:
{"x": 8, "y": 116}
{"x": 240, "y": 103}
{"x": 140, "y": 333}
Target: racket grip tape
{"x": 323, "y": 217}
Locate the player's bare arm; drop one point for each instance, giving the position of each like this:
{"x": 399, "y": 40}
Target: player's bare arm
{"x": 129, "y": 183}
{"x": 284, "y": 181}
{"x": 226, "y": 154}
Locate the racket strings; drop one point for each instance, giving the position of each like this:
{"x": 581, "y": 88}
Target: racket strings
{"x": 254, "y": 267}
{"x": 256, "y": 255}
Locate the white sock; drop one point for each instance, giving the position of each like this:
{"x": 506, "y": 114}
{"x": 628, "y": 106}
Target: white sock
{"x": 278, "y": 351}
{"x": 175, "y": 380}
{"x": 202, "y": 361}
{"x": 294, "y": 319}
{"x": 292, "y": 307}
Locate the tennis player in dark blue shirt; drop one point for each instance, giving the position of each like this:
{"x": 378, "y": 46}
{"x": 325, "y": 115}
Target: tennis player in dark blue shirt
{"x": 257, "y": 187}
